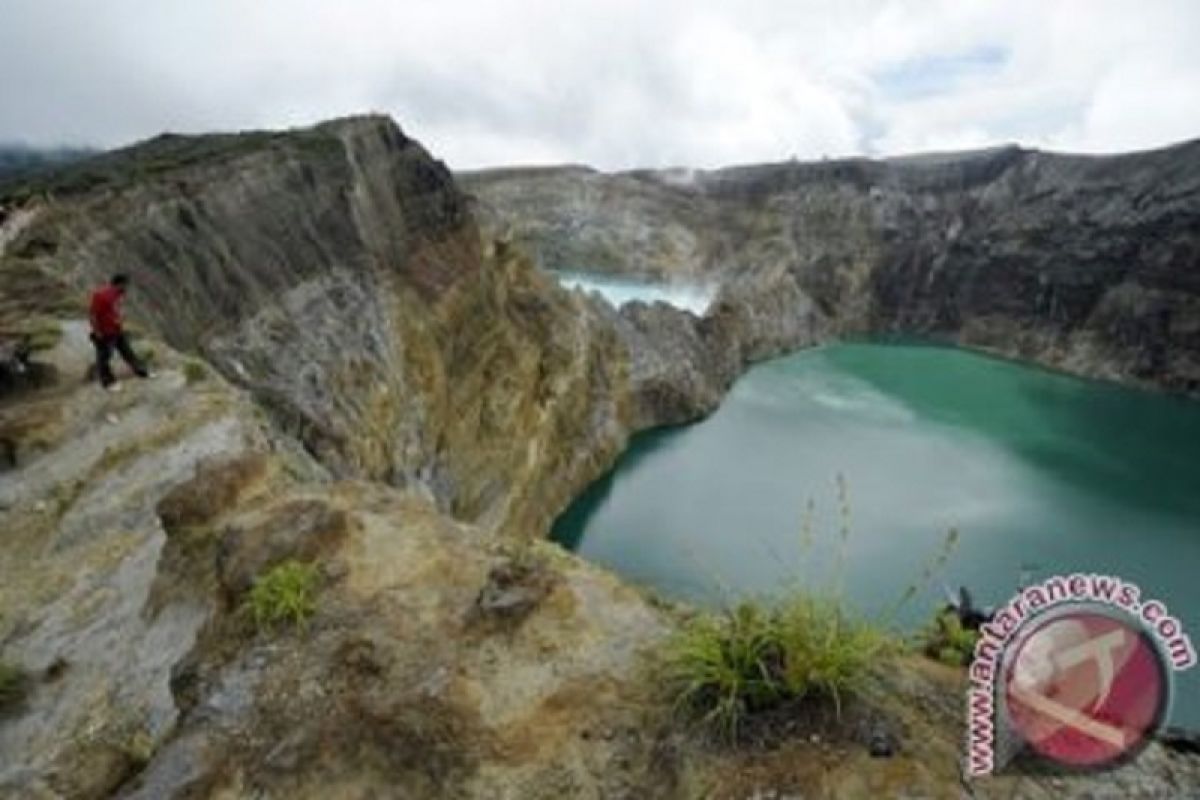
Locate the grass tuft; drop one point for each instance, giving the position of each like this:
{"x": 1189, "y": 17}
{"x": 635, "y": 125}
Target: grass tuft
{"x": 194, "y": 371}
{"x": 825, "y": 651}
{"x": 946, "y": 640}
{"x": 286, "y": 594}
{"x": 726, "y": 666}
{"x": 756, "y": 656}
{"x": 147, "y": 354}
{"x": 14, "y": 684}
{"x": 43, "y": 334}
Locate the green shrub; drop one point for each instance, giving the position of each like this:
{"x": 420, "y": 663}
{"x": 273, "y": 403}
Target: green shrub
{"x": 945, "y": 639}
{"x": 756, "y": 656}
{"x": 723, "y": 666}
{"x": 43, "y": 334}
{"x": 139, "y": 748}
{"x": 726, "y": 666}
{"x": 284, "y": 594}
{"x": 14, "y": 683}
{"x": 194, "y": 371}
{"x": 826, "y": 652}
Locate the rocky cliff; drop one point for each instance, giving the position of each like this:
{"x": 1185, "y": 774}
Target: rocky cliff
{"x": 351, "y": 378}
{"x": 1086, "y": 263}
{"x": 441, "y": 660}
{"x": 338, "y": 275}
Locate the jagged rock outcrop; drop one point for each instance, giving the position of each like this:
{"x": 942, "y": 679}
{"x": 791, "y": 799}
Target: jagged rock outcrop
{"x": 682, "y": 365}
{"x": 338, "y": 274}
{"x": 1086, "y": 263}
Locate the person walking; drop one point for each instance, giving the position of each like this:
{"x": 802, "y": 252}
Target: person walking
{"x": 108, "y": 335}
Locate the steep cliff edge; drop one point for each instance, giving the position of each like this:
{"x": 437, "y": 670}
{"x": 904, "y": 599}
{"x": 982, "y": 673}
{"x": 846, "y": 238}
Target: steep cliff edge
{"x": 338, "y": 274}
{"x": 130, "y": 540}
{"x": 1086, "y": 263}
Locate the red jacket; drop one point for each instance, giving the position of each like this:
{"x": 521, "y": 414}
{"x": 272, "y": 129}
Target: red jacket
{"x": 106, "y": 311}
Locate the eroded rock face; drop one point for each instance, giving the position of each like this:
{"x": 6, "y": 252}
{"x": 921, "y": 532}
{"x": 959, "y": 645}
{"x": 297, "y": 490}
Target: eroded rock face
{"x": 131, "y": 541}
{"x": 83, "y": 544}
{"x": 681, "y": 365}
{"x": 338, "y": 274}
{"x": 578, "y": 218}
{"x": 1091, "y": 264}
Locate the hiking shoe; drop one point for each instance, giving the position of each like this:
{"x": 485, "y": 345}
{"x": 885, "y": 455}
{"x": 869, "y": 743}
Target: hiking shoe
{"x": 113, "y": 387}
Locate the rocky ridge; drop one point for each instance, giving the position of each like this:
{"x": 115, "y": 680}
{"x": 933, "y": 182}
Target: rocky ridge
{"x": 338, "y": 275}
{"x": 1089, "y": 264}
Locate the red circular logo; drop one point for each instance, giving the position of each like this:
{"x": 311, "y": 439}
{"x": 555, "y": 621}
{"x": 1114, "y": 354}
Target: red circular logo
{"x": 1085, "y": 688}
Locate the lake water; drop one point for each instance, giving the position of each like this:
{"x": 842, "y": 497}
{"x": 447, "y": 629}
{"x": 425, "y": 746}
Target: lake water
{"x": 1040, "y": 473}
{"x": 619, "y": 291}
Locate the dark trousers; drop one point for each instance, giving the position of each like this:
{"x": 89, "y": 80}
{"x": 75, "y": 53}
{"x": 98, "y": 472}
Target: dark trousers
{"x": 104, "y": 350}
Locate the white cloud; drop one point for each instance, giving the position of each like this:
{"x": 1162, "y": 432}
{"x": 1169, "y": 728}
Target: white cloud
{"x": 615, "y": 83}
{"x": 1140, "y": 104}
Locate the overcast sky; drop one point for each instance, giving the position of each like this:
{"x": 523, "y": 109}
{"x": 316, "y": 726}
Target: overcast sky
{"x": 613, "y": 83}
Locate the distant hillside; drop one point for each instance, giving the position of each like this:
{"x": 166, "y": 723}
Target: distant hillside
{"x": 18, "y": 160}
{"x": 65, "y": 173}
{"x": 1086, "y": 263}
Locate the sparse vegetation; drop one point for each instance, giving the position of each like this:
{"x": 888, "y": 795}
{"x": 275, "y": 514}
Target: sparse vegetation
{"x": 728, "y": 666}
{"x": 64, "y": 494}
{"x": 16, "y": 160}
{"x": 139, "y": 748}
{"x": 754, "y": 657}
{"x": 525, "y": 557}
{"x": 150, "y": 159}
{"x": 14, "y": 683}
{"x": 286, "y": 594}
{"x": 945, "y": 639}
{"x": 194, "y": 371}
{"x": 43, "y": 334}
{"x": 725, "y": 667}
{"x": 931, "y": 568}
{"x": 146, "y": 353}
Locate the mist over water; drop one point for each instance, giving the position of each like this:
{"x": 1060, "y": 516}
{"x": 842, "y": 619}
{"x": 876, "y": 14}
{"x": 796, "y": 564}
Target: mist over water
{"x": 1040, "y": 473}
{"x": 619, "y": 291}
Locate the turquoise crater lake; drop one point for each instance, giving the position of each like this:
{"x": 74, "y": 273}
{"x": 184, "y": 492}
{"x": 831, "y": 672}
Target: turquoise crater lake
{"x": 1040, "y": 473}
